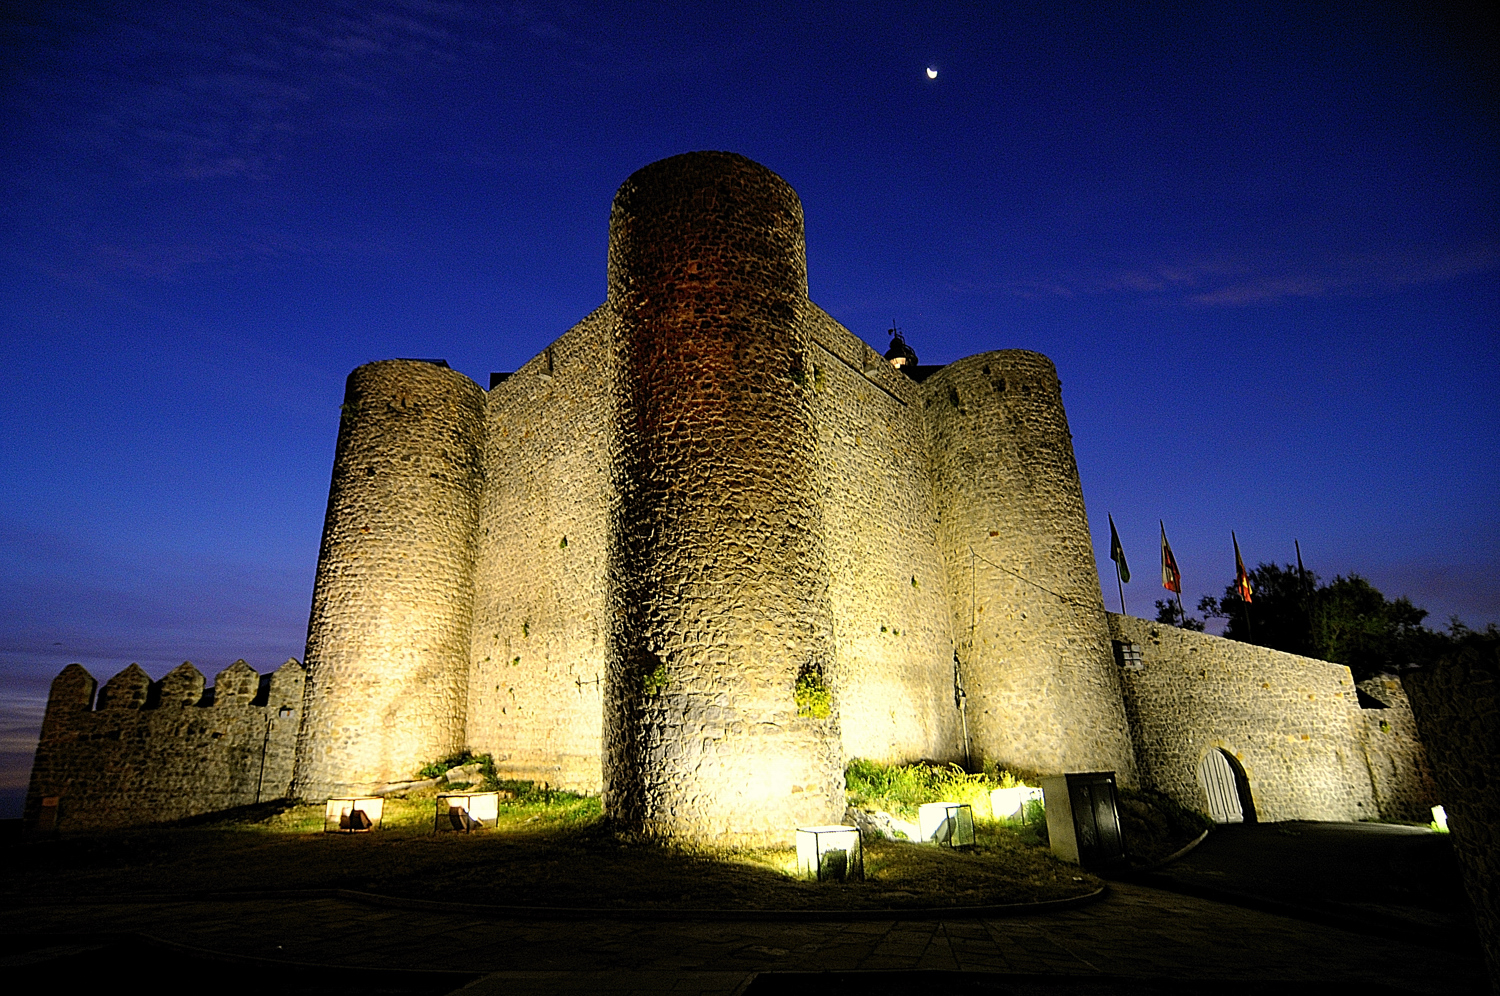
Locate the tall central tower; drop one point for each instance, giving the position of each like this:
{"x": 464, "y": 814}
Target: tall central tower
{"x": 717, "y": 570}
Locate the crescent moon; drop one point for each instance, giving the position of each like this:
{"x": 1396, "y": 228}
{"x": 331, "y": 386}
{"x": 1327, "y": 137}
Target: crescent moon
{"x": 931, "y": 73}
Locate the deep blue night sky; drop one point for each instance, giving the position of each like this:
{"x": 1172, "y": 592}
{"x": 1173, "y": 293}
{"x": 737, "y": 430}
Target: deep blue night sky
{"x": 1261, "y": 247}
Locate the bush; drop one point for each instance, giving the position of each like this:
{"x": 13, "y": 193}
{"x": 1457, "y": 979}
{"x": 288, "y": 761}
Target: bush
{"x": 900, "y": 788}
{"x": 436, "y": 769}
{"x": 1155, "y": 826}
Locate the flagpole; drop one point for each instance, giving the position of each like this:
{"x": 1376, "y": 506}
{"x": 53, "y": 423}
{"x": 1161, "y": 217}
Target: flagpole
{"x": 1306, "y": 597}
{"x": 1121, "y": 585}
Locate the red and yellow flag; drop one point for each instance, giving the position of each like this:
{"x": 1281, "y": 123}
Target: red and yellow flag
{"x": 1241, "y": 577}
{"x": 1171, "y": 577}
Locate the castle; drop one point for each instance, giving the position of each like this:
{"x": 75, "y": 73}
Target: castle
{"x": 700, "y": 552}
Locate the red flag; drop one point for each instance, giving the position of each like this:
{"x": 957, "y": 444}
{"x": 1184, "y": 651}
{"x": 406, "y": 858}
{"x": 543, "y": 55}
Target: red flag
{"x": 1241, "y": 578}
{"x": 1171, "y": 577}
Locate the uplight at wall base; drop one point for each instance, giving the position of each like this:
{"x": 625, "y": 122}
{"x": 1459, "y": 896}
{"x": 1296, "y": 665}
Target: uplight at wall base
{"x": 355, "y": 815}
{"x": 1011, "y": 803}
{"x": 466, "y": 812}
{"x": 948, "y": 823}
{"x": 830, "y": 852}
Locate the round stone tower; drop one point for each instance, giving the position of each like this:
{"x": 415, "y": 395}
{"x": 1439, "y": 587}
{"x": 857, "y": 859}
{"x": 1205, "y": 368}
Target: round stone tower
{"x": 718, "y": 723}
{"x": 1028, "y": 618}
{"x": 388, "y": 639}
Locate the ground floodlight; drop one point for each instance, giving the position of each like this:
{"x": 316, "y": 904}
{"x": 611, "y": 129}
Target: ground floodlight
{"x": 1011, "y": 803}
{"x": 831, "y": 852}
{"x": 353, "y": 815}
{"x": 466, "y": 812}
{"x": 948, "y": 823}
{"x": 1440, "y": 819}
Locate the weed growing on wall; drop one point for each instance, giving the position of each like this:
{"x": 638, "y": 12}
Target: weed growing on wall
{"x": 813, "y": 698}
{"x": 655, "y": 680}
{"x": 437, "y": 769}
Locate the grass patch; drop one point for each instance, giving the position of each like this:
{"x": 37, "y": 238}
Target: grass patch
{"x": 899, "y": 789}
{"x": 1154, "y": 826}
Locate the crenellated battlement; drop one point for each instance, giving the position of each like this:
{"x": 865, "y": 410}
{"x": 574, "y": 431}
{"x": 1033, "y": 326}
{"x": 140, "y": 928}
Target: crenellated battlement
{"x": 140, "y": 751}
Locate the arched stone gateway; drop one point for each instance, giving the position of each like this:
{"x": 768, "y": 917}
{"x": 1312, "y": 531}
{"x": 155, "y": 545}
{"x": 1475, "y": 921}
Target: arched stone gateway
{"x": 1227, "y": 788}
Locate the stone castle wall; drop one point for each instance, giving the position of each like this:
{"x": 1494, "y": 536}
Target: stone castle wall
{"x": 1292, "y": 723}
{"x": 717, "y": 569}
{"x": 1026, "y": 609}
{"x": 892, "y": 644}
{"x": 1399, "y": 773}
{"x": 537, "y": 673}
{"x": 1457, "y": 709}
{"x": 149, "y": 752}
{"x": 388, "y": 638}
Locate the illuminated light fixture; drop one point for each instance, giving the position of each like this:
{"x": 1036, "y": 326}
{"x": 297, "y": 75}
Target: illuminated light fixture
{"x": 1440, "y": 818}
{"x": 948, "y": 823}
{"x": 1011, "y": 803}
{"x": 355, "y": 815}
{"x": 466, "y": 812}
{"x": 830, "y": 853}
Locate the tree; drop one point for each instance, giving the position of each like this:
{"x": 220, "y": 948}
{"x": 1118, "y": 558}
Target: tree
{"x": 1280, "y": 610}
{"x": 1167, "y": 611}
{"x": 1354, "y": 624}
{"x": 1347, "y": 621}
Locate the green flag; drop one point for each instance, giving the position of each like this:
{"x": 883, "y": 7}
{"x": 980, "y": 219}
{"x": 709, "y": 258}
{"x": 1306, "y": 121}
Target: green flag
{"x": 1117, "y": 552}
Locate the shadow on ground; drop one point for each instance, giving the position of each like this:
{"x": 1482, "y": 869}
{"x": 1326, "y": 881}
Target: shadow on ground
{"x": 108, "y": 963}
{"x": 1374, "y": 877}
{"x": 979, "y": 984}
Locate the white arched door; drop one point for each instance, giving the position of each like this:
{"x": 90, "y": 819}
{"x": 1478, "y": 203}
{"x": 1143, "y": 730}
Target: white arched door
{"x": 1219, "y": 784}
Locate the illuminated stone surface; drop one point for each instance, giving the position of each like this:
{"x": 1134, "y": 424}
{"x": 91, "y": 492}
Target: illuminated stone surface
{"x": 1028, "y": 618}
{"x": 147, "y": 755}
{"x": 1293, "y": 723}
{"x": 540, "y": 609}
{"x": 717, "y": 573}
{"x": 388, "y": 639}
{"x": 1400, "y": 776}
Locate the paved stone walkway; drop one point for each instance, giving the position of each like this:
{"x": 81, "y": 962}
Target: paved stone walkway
{"x": 1136, "y": 931}
{"x": 1403, "y": 877}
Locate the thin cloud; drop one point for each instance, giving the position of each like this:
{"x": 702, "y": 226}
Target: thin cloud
{"x": 1231, "y": 283}
{"x": 1356, "y": 275}
{"x": 20, "y": 720}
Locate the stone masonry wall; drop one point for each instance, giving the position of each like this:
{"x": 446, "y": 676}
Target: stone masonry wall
{"x": 718, "y": 575}
{"x": 388, "y": 638}
{"x": 1399, "y": 773}
{"x": 892, "y": 643}
{"x": 1043, "y": 690}
{"x": 1291, "y": 722}
{"x": 537, "y": 671}
{"x": 150, "y": 752}
{"x": 1457, "y": 708}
